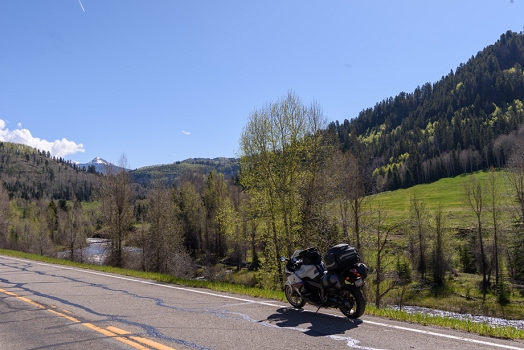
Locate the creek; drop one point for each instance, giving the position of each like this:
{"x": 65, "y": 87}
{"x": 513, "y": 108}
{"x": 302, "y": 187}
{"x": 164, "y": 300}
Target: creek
{"x": 492, "y": 321}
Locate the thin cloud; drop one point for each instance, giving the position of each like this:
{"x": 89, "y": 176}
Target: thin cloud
{"x": 82, "y": 6}
{"x": 186, "y": 132}
{"x": 57, "y": 148}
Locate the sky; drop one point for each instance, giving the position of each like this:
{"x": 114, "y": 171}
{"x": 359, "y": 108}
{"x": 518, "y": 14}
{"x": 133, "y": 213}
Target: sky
{"x": 167, "y": 80}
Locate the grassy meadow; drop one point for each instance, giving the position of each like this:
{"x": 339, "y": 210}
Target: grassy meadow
{"x": 446, "y": 193}
{"x": 462, "y": 290}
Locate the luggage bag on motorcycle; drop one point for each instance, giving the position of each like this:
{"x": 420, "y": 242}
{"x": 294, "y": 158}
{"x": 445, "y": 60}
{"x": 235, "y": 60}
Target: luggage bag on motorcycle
{"x": 341, "y": 257}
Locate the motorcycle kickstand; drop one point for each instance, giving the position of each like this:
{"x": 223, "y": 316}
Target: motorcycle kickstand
{"x": 321, "y": 301}
{"x": 318, "y": 309}
{"x": 320, "y": 304}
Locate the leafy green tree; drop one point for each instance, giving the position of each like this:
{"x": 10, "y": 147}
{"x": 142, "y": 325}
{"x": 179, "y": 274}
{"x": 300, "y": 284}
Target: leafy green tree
{"x": 192, "y": 216}
{"x": 215, "y": 197}
{"x": 277, "y": 145}
{"x": 52, "y": 220}
{"x": 5, "y": 215}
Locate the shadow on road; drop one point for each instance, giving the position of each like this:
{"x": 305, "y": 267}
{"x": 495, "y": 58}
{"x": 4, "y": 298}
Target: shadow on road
{"x": 317, "y": 324}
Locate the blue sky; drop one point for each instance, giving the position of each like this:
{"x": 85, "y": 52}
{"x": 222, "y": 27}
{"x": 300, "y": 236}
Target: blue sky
{"x": 166, "y": 80}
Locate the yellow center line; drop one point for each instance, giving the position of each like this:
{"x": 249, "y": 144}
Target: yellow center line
{"x": 24, "y": 299}
{"x": 112, "y": 332}
{"x": 29, "y": 301}
{"x": 8, "y": 293}
{"x": 142, "y": 340}
{"x": 70, "y": 318}
{"x": 114, "y": 336}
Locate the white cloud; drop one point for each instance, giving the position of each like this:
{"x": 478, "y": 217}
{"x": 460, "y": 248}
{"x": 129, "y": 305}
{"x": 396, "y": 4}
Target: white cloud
{"x": 186, "y": 132}
{"x": 57, "y": 148}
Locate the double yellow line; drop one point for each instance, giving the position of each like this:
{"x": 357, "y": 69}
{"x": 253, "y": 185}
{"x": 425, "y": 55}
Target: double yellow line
{"x": 112, "y": 332}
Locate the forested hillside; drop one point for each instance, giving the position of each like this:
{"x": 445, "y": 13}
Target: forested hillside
{"x": 28, "y": 173}
{"x": 170, "y": 173}
{"x": 462, "y": 123}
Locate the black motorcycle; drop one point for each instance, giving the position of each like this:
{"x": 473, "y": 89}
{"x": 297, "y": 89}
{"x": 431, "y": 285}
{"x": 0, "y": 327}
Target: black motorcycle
{"x": 332, "y": 283}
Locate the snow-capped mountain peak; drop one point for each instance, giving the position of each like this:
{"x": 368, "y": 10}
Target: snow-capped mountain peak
{"x": 100, "y": 165}
{"x": 98, "y": 160}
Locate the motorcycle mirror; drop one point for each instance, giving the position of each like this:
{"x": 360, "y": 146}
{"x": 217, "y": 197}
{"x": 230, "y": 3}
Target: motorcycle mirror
{"x": 283, "y": 259}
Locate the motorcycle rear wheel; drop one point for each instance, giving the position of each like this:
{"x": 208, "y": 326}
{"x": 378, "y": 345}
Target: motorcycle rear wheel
{"x": 354, "y": 296}
{"x": 294, "y": 298}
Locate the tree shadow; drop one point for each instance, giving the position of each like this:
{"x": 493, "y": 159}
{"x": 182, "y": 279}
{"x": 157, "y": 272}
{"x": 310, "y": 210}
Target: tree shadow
{"x": 318, "y": 324}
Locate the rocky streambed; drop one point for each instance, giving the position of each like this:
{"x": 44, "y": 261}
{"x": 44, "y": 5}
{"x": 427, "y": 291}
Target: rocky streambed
{"x": 493, "y": 321}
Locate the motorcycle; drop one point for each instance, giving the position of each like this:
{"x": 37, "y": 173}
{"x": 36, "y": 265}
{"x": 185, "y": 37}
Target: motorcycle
{"x": 335, "y": 282}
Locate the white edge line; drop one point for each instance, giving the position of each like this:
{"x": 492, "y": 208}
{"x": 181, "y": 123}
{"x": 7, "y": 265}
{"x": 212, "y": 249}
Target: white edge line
{"x": 267, "y": 304}
{"x": 443, "y": 335}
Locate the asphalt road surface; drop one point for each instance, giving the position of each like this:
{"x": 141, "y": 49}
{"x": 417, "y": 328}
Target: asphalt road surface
{"x": 44, "y": 306}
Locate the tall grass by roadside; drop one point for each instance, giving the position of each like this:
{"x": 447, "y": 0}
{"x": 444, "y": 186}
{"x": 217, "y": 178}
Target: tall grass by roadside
{"x": 418, "y": 318}
{"x": 155, "y": 276}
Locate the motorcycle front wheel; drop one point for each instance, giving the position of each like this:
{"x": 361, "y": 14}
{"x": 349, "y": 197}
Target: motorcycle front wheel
{"x": 356, "y": 301}
{"x": 294, "y": 298}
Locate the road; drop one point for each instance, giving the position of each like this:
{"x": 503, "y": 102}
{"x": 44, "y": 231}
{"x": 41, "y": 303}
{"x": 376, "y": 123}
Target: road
{"x": 45, "y": 306}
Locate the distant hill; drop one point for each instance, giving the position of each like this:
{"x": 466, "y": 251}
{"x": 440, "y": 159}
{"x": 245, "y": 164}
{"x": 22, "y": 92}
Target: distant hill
{"x": 170, "y": 173}
{"x": 466, "y": 121}
{"x": 32, "y": 174}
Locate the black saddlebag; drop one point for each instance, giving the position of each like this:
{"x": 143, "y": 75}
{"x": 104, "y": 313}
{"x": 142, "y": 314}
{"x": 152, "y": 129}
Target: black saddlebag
{"x": 340, "y": 257}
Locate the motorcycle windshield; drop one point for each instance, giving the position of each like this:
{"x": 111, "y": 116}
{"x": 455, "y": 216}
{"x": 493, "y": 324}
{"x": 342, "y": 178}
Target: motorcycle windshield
{"x": 296, "y": 254}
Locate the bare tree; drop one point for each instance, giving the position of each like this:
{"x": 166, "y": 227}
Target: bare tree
{"x": 164, "y": 238}
{"x": 515, "y": 177}
{"x": 382, "y": 250}
{"x": 419, "y": 225}
{"x": 494, "y": 194}
{"x": 350, "y": 195}
{"x": 44, "y": 245}
{"x": 72, "y": 228}
{"x": 116, "y": 198}
{"x": 474, "y": 199}
{"x": 440, "y": 250}
{"x": 463, "y": 159}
